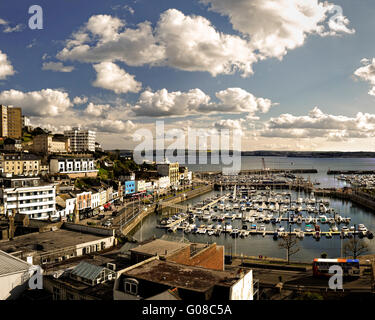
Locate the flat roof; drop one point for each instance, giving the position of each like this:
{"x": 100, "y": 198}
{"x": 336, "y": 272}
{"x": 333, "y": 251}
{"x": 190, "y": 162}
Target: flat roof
{"x": 160, "y": 247}
{"x": 47, "y": 241}
{"x": 181, "y": 276}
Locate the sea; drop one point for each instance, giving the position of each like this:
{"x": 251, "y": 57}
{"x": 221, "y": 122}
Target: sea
{"x": 309, "y": 248}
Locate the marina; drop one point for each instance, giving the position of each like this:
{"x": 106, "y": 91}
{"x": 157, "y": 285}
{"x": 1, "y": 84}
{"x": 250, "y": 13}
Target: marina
{"x": 264, "y": 213}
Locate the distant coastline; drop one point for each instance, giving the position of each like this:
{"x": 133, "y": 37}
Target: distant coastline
{"x": 289, "y": 154}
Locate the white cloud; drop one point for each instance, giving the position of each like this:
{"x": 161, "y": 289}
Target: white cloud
{"x": 80, "y": 100}
{"x": 112, "y": 77}
{"x": 239, "y": 100}
{"x": 274, "y": 27}
{"x": 115, "y": 126}
{"x": 135, "y": 47}
{"x": 6, "y": 68}
{"x": 193, "y": 44}
{"x": 97, "y": 110}
{"x": 46, "y": 102}
{"x": 9, "y": 29}
{"x": 57, "y": 67}
{"x": 367, "y": 73}
{"x": 184, "y": 42}
{"x": 319, "y": 124}
{"x": 164, "y": 103}
{"x": 231, "y": 101}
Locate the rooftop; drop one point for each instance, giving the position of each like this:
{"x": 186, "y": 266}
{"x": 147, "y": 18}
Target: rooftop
{"x": 47, "y": 241}
{"x": 87, "y": 270}
{"x": 160, "y": 247}
{"x": 181, "y": 276}
{"x": 10, "y": 264}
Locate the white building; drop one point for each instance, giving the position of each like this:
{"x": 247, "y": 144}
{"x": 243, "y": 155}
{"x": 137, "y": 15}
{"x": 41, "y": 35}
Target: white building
{"x": 140, "y": 186}
{"x": 74, "y": 167}
{"x": 66, "y": 201}
{"x": 14, "y": 276}
{"x": 81, "y": 140}
{"x": 29, "y": 196}
{"x": 164, "y": 182}
{"x": 95, "y": 198}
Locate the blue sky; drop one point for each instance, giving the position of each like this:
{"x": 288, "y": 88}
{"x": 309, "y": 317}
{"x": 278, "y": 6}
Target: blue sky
{"x": 324, "y": 71}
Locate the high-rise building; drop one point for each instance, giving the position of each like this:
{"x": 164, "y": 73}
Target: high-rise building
{"x": 11, "y": 122}
{"x": 81, "y": 140}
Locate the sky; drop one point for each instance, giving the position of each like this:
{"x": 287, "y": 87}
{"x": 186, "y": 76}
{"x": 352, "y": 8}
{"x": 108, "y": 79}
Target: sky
{"x": 285, "y": 74}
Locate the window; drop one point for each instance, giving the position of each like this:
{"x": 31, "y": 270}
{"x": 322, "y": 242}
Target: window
{"x": 131, "y": 286}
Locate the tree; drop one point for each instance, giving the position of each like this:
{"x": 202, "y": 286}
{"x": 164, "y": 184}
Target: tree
{"x": 290, "y": 243}
{"x": 355, "y": 247}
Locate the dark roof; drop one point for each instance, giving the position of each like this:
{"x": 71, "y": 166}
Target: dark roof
{"x": 21, "y": 156}
{"x": 177, "y": 275}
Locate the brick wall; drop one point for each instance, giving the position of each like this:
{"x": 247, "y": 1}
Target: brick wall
{"x": 211, "y": 257}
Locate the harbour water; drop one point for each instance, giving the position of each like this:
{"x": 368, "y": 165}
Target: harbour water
{"x": 256, "y": 245}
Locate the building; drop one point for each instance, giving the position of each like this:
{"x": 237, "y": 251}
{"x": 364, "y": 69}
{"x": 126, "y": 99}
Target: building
{"x": 14, "y": 276}
{"x": 73, "y": 167}
{"x": 86, "y": 281}
{"x": 171, "y": 170}
{"x": 30, "y": 196}
{"x": 14, "y": 145}
{"x": 49, "y": 143}
{"x": 140, "y": 186}
{"x": 67, "y": 203}
{"x": 11, "y": 122}
{"x": 81, "y": 140}
{"x": 21, "y": 164}
{"x": 51, "y": 247}
{"x": 186, "y": 176}
{"x": 210, "y": 256}
{"x": 129, "y": 187}
{"x": 25, "y": 122}
{"x": 154, "y": 276}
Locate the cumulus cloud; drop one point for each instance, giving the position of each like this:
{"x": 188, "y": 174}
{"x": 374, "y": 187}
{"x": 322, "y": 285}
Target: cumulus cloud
{"x": 274, "y": 27}
{"x": 230, "y": 124}
{"x": 319, "y": 124}
{"x": 111, "y": 77}
{"x": 184, "y": 42}
{"x": 134, "y": 46}
{"x": 232, "y": 101}
{"x": 367, "y": 73}
{"x": 115, "y": 126}
{"x": 97, "y": 110}
{"x": 6, "y": 68}
{"x": 46, "y": 102}
{"x": 80, "y": 100}
{"x": 193, "y": 44}
{"x": 57, "y": 67}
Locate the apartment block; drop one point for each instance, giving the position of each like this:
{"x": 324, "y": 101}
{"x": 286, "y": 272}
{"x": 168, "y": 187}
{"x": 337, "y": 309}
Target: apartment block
{"x": 49, "y": 143}
{"x": 28, "y": 195}
{"x": 171, "y": 170}
{"x": 81, "y": 140}
{"x": 11, "y": 122}
{"x": 20, "y": 164}
{"x": 73, "y": 167}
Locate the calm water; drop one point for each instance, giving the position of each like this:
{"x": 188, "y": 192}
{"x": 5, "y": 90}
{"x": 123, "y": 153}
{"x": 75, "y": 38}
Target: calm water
{"x": 322, "y": 165}
{"x": 266, "y": 246}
